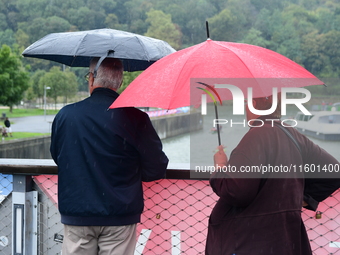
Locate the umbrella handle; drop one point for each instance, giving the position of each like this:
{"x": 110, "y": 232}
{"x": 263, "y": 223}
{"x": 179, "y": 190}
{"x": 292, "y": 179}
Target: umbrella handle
{"x": 100, "y": 61}
{"x": 218, "y": 126}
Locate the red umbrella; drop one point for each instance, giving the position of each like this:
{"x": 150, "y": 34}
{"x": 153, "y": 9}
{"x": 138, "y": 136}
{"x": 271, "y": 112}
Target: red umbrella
{"x": 172, "y": 81}
{"x": 166, "y": 83}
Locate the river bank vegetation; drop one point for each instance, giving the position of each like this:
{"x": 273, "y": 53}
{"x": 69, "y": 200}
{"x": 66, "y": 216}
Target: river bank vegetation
{"x": 306, "y": 31}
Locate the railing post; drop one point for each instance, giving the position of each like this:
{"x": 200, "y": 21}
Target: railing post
{"x": 24, "y": 217}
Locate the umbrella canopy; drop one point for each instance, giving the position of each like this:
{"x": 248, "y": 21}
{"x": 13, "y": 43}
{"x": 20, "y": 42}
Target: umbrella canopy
{"x": 166, "y": 84}
{"x": 77, "y": 48}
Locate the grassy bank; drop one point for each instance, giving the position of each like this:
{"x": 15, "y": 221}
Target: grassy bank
{"x": 22, "y": 135}
{"x": 16, "y": 113}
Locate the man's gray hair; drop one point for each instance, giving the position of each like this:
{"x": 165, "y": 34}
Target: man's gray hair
{"x": 109, "y": 73}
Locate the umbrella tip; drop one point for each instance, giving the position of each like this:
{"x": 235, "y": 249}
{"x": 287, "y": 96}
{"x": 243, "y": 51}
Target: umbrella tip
{"x": 207, "y": 27}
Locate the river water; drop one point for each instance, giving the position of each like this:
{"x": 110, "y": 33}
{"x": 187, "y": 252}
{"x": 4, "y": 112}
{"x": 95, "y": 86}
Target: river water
{"x": 199, "y": 147}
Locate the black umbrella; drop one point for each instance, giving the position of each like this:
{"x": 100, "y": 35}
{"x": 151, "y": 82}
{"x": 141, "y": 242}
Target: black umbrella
{"x": 76, "y": 49}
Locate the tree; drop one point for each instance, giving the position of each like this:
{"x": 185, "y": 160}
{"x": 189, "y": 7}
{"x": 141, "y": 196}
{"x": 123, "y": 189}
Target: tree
{"x": 71, "y": 87}
{"x": 30, "y": 96}
{"x": 22, "y": 38}
{"x": 313, "y": 59}
{"x": 37, "y": 88}
{"x": 30, "y": 9}
{"x": 128, "y": 78}
{"x": 161, "y": 27}
{"x": 254, "y": 37}
{"x": 326, "y": 20}
{"x": 190, "y": 17}
{"x": 135, "y": 12}
{"x": 267, "y": 22}
{"x": 83, "y": 18}
{"x": 330, "y": 48}
{"x": 3, "y": 22}
{"x": 232, "y": 23}
{"x": 60, "y": 84}
{"x": 40, "y": 27}
{"x": 111, "y": 21}
{"x": 13, "y": 78}
{"x": 221, "y": 28}
{"x": 269, "y": 4}
{"x": 7, "y": 37}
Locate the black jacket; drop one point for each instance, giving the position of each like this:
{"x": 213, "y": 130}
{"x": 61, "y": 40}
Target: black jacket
{"x": 7, "y": 123}
{"x": 103, "y": 155}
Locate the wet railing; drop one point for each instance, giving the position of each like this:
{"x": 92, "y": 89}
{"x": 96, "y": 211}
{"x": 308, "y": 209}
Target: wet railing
{"x": 174, "y": 220}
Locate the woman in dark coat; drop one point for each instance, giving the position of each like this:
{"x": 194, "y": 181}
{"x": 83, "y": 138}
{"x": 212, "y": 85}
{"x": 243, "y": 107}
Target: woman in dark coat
{"x": 259, "y": 211}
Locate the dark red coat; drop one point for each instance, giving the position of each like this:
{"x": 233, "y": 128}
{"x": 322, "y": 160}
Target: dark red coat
{"x": 261, "y": 213}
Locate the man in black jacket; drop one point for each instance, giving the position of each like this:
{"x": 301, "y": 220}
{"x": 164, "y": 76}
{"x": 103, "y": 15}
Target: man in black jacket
{"x": 103, "y": 155}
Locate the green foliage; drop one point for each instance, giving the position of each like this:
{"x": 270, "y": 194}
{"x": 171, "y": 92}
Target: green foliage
{"x": 70, "y": 86}
{"x": 37, "y": 88}
{"x": 128, "y": 78}
{"x": 231, "y": 23}
{"x": 269, "y": 4}
{"x": 111, "y": 21}
{"x": 14, "y": 79}
{"x": 135, "y": 15}
{"x": 29, "y": 94}
{"x": 31, "y": 9}
{"x": 7, "y": 37}
{"x": 255, "y": 37}
{"x": 330, "y": 47}
{"x": 59, "y": 83}
{"x": 161, "y": 27}
{"x": 25, "y": 112}
{"x": 80, "y": 72}
{"x": 22, "y": 38}
{"x": 82, "y": 18}
{"x": 39, "y": 27}
{"x": 3, "y": 22}
{"x": 23, "y": 135}
{"x": 305, "y": 31}
{"x": 221, "y": 26}
{"x": 313, "y": 59}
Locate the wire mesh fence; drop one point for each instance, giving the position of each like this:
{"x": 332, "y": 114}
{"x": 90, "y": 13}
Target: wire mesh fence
{"x": 174, "y": 220}
{"x": 5, "y": 213}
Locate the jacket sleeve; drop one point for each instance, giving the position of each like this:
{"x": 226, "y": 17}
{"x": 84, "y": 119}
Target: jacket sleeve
{"x": 317, "y": 190}
{"x": 53, "y": 146}
{"x": 154, "y": 162}
{"x": 320, "y": 184}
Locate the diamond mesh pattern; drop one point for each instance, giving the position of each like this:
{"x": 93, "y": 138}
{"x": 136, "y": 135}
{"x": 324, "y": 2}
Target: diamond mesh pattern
{"x": 324, "y": 233}
{"x": 5, "y": 214}
{"x": 174, "y": 221}
{"x": 176, "y": 205}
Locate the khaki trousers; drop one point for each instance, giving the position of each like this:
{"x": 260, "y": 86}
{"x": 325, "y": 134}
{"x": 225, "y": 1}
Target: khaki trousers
{"x": 99, "y": 240}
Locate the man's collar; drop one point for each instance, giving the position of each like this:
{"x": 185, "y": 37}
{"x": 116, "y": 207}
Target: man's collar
{"x": 105, "y": 91}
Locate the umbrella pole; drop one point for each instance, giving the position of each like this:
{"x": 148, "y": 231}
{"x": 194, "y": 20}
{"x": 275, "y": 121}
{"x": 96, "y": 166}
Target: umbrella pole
{"x": 218, "y": 126}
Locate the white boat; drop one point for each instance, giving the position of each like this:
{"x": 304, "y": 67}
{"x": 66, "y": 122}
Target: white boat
{"x": 323, "y": 125}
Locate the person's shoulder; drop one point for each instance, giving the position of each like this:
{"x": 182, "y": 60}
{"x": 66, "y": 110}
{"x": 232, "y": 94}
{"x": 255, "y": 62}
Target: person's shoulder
{"x": 69, "y": 109}
{"x": 75, "y": 105}
{"x": 66, "y": 108}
